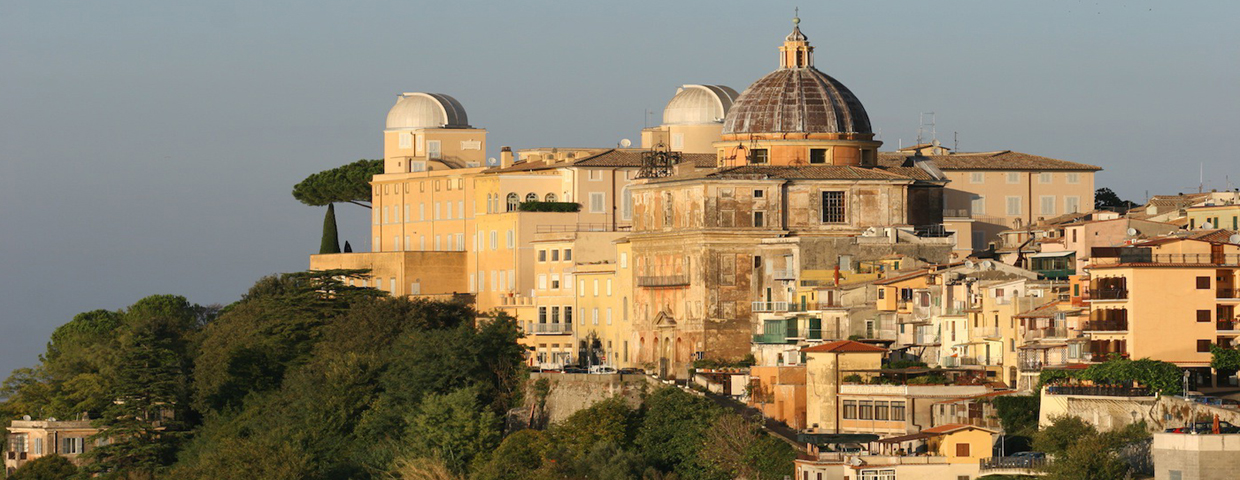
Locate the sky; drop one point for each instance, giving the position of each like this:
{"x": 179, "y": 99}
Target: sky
{"x": 151, "y": 147}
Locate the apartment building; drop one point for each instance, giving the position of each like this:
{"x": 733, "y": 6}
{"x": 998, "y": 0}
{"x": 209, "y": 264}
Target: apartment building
{"x": 31, "y": 439}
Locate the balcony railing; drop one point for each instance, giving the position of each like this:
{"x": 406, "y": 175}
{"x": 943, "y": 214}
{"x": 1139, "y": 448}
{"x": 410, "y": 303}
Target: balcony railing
{"x": 1049, "y": 332}
{"x": 583, "y": 227}
{"x": 986, "y": 332}
{"x": 1228, "y": 293}
{"x": 1108, "y": 294}
{"x": 770, "y": 338}
{"x": 663, "y": 280}
{"x": 552, "y": 328}
{"x": 17, "y": 455}
{"x": 1099, "y": 390}
{"x": 956, "y": 213}
{"x": 1227, "y": 325}
{"x": 1030, "y": 365}
{"x": 784, "y": 274}
{"x": 1013, "y": 463}
{"x": 1106, "y": 326}
{"x": 769, "y": 307}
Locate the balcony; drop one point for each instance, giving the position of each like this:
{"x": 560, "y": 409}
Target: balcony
{"x": 769, "y": 307}
{"x": 1228, "y": 294}
{"x": 986, "y": 332}
{"x": 1013, "y": 463}
{"x": 784, "y": 274}
{"x": 1048, "y": 332}
{"x": 552, "y": 328}
{"x": 663, "y": 281}
{"x": 1030, "y": 365}
{"x": 1108, "y": 294}
{"x": 1226, "y": 325}
{"x": 1099, "y": 390}
{"x": 583, "y": 227}
{"x": 770, "y": 338}
{"x": 17, "y": 455}
{"x": 1106, "y": 325}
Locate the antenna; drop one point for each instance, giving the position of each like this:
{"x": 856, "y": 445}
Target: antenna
{"x": 955, "y": 141}
{"x": 922, "y": 127}
{"x": 1201, "y": 177}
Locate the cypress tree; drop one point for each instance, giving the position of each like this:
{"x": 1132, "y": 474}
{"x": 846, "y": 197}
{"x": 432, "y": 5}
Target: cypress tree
{"x": 347, "y": 248}
{"x": 331, "y": 240}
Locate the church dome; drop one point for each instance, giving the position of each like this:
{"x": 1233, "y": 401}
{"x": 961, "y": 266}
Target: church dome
{"x": 699, "y": 104}
{"x": 426, "y": 110}
{"x": 797, "y": 98}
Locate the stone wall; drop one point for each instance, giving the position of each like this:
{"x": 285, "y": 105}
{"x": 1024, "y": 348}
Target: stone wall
{"x": 1196, "y": 457}
{"x": 1110, "y": 413}
{"x": 571, "y": 392}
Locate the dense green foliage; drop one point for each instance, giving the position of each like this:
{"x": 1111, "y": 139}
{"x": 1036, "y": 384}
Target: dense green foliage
{"x": 331, "y": 238}
{"x": 1224, "y": 359}
{"x": 1105, "y": 198}
{"x": 347, "y": 183}
{"x": 1018, "y": 414}
{"x": 308, "y": 377}
{"x": 1081, "y": 452}
{"x": 549, "y": 207}
{"x": 51, "y": 467}
{"x": 1162, "y": 377}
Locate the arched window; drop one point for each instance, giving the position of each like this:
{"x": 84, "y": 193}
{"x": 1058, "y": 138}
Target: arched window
{"x": 531, "y": 197}
{"x": 513, "y": 201}
{"x": 550, "y": 197}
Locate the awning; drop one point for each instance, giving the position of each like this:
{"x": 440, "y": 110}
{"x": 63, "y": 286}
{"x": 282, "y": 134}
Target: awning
{"x": 908, "y": 438}
{"x": 1065, "y": 253}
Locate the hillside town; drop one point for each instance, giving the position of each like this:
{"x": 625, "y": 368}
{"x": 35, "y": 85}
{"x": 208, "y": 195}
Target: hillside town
{"x": 765, "y": 248}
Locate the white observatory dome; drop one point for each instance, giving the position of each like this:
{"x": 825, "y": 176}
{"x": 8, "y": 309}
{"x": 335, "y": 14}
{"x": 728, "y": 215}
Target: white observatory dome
{"x": 426, "y": 110}
{"x": 699, "y": 104}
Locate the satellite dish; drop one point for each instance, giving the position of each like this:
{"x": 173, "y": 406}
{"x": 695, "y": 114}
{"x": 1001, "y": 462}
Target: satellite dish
{"x": 491, "y": 161}
{"x": 1207, "y": 225}
{"x": 988, "y": 265}
{"x": 26, "y": 418}
{"x": 1234, "y": 239}
{"x": 626, "y": 143}
{"x": 1132, "y": 232}
{"x": 969, "y": 264}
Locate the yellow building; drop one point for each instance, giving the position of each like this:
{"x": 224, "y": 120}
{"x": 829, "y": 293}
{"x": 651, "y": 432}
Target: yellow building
{"x": 1214, "y": 216}
{"x": 824, "y": 366}
{"x": 1165, "y": 299}
{"x": 31, "y": 439}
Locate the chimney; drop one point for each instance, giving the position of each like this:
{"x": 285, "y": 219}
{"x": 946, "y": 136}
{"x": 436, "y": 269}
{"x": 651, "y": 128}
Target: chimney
{"x": 505, "y": 157}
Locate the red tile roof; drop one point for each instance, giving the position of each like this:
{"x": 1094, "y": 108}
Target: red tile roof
{"x": 844, "y": 346}
{"x": 952, "y": 427}
{"x": 1000, "y": 160}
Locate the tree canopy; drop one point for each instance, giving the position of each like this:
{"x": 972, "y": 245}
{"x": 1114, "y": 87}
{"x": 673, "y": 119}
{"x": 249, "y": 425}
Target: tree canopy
{"x": 1105, "y": 198}
{"x": 347, "y": 183}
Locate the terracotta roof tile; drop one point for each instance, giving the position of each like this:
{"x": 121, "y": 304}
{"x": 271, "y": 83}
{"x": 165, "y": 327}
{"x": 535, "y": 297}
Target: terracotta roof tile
{"x": 952, "y": 427}
{"x": 1001, "y": 160}
{"x": 843, "y": 346}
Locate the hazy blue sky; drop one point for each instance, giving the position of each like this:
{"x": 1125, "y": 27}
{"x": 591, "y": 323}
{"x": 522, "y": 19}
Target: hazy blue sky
{"x": 150, "y": 147}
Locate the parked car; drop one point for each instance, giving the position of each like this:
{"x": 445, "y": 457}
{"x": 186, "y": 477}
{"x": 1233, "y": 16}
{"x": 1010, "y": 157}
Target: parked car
{"x": 632, "y": 371}
{"x": 1028, "y": 455}
{"x": 1205, "y": 427}
{"x": 603, "y": 370}
{"x": 575, "y": 370}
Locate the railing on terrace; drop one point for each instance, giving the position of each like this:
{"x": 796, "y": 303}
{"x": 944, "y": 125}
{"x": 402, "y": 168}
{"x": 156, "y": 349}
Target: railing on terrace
{"x": 1229, "y": 293}
{"x": 1108, "y": 294}
{"x": 769, "y": 307}
{"x": 956, "y": 212}
{"x": 1013, "y": 463}
{"x": 1106, "y": 325}
{"x": 662, "y": 280}
{"x": 1030, "y": 366}
{"x": 986, "y": 332}
{"x": 931, "y": 231}
{"x": 769, "y": 338}
{"x": 583, "y": 227}
{"x": 1099, "y": 390}
{"x": 1186, "y": 258}
{"x": 552, "y": 328}
{"x": 1227, "y": 325}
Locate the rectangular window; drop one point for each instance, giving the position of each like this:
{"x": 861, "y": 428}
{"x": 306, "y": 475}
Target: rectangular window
{"x": 817, "y": 155}
{"x": 1045, "y": 177}
{"x": 850, "y": 409}
{"x": 977, "y": 177}
{"x": 880, "y": 408}
{"x": 448, "y": 206}
{"x": 1071, "y": 204}
{"x": 1203, "y": 346}
{"x": 406, "y": 213}
{"x": 624, "y": 260}
{"x": 460, "y": 208}
{"x": 437, "y": 210}
{"x": 597, "y": 202}
{"x": 542, "y": 256}
{"x": 1013, "y": 177}
{"x": 1074, "y": 177}
{"x": 978, "y": 205}
{"x": 421, "y": 211}
{"x": 568, "y": 314}
{"x": 555, "y": 255}
{"x": 596, "y": 287}
{"x": 758, "y": 219}
{"x": 437, "y": 244}
{"x": 542, "y": 281}
{"x": 512, "y": 239}
{"x": 759, "y": 193}
{"x": 494, "y": 240}
{"x": 73, "y": 445}
{"x": 1203, "y": 283}
{"x": 865, "y": 410}
{"x": 609, "y": 315}
{"x": 542, "y": 314}
{"x": 1048, "y": 204}
{"x": 433, "y": 150}
{"x": 897, "y": 411}
{"x": 594, "y": 316}
{"x": 37, "y": 446}
{"x": 406, "y": 140}
{"x": 678, "y": 141}
{"x": 1203, "y": 316}
{"x": 609, "y": 287}
{"x": 568, "y": 254}
{"x": 962, "y": 449}
{"x": 555, "y": 314}
{"x": 833, "y": 210}
{"x": 759, "y": 155}
{"x": 1013, "y": 205}
{"x": 555, "y": 281}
